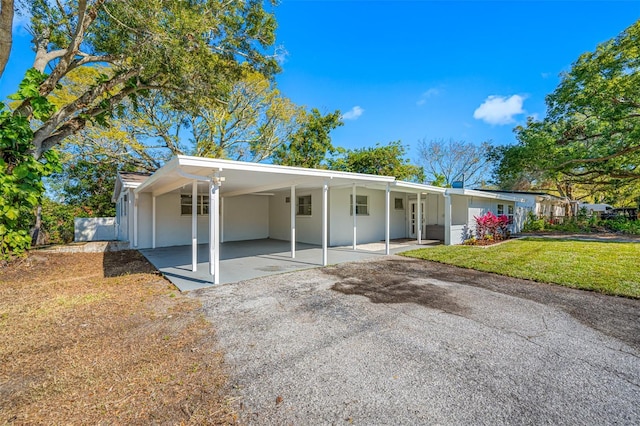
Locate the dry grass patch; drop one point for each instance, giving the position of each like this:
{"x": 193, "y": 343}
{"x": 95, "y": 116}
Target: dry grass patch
{"x": 92, "y": 338}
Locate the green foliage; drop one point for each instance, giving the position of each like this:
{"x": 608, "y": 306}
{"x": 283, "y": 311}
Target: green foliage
{"x": 21, "y": 174}
{"x": 310, "y": 145}
{"x": 533, "y": 224}
{"x": 610, "y": 268}
{"x": 591, "y": 134}
{"x": 57, "y": 220}
{"x": 581, "y": 223}
{"x": 88, "y": 183}
{"x": 384, "y": 160}
{"x": 439, "y": 180}
{"x": 188, "y": 51}
{"x": 622, "y": 226}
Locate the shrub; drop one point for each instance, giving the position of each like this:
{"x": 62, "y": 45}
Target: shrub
{"x": 490, "y": 227}
{"x": 533, "y": 224}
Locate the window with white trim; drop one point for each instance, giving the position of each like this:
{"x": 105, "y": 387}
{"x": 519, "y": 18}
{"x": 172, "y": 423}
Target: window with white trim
{"x": 304, "y": 205}
{"x": 186, "y": 203}
{"x": 399, "y": 203}
{"x": 362, "y": 205}
{"x": 509, "y": 214}
{"x": 125, "y": 200}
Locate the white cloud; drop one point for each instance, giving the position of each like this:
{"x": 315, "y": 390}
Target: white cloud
{"x": 428, "y": 94}
{"x": 353, "y": 113}
{"x": 499, "y": 109}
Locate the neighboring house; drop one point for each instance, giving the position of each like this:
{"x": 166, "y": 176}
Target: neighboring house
{"x": 540, "y": 204}
{"x": 594, "y": 208}
{"x": 254, "y": 201}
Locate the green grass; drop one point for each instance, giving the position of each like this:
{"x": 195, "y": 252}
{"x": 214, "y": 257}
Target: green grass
{"x": 605, "y": 267}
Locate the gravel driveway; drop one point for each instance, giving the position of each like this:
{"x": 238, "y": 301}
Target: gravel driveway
{"x": 402, "y": 341}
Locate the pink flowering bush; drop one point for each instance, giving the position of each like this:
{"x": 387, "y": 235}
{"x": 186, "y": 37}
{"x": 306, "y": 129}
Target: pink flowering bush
{"x": 490, "y": 228}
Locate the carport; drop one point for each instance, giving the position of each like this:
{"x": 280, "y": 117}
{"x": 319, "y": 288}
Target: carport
{"x": 187, "y": 179}
{"x": 243, "y": 260}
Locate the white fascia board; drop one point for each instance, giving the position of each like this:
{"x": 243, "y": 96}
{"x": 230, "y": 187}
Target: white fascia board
{"x": 419, "y": 187}
{"x": 162, "y": 171}
{"x": 214, "y": 163}
{"x": 482, "y": 194}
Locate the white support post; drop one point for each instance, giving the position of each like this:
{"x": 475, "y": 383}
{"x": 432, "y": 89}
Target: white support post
{"x": 221, "y": 219}
{"x": 153, "y": 221}
{"x": 214, "y": 228}
{"x": 355, "y": 221}
{"x": 292, "y": 202}
{"x": 135, "y": 221}
{"x": 419, "y": 219}
{"x": 194, "y": 225}
{"x": 325, "y": 227}
{"x": 447, "y": 219}
{"x": 386, "y": 219}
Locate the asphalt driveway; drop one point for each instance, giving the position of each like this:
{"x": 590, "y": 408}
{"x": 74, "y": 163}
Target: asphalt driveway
{"x": 402, "y": 341}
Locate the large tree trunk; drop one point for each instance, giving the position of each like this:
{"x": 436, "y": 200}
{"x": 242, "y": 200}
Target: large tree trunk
{"x": 38, "y": 237}
{"x": 6, "y": 27}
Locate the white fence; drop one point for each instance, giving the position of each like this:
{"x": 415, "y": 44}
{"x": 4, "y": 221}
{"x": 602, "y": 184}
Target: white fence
{"x": 94, "y": 228}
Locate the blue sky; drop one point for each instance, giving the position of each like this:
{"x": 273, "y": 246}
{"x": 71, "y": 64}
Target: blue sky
{"x": 469, "y": 70}
{"x": 421, "y": 69}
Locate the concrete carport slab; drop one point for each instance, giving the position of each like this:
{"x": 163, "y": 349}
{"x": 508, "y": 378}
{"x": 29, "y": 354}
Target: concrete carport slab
{"x": 244, "y": 260}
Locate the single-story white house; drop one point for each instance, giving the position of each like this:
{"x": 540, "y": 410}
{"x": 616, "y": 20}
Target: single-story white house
{"x": 540, "y": 204}
{"x": 193, "y": 199}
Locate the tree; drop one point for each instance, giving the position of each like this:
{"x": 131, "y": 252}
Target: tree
{"x": 449, "y": 161}
{"x": 21, "y": 174}
{"x": 591, "y": 133}
{"x": 88, "y": 183}
{"x": 6, "y": 34}
{"x": 384, "y": 160}
{"x": 247, "y": 124}
{"x": 311, "y": 143}
{"x": 183, "y": 49}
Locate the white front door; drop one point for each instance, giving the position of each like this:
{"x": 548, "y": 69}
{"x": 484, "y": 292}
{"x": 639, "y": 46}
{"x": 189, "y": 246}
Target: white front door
{"x": 413, "y": 219}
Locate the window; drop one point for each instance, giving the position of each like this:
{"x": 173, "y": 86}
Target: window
{"x": 399, "y": 203}
{"x": 186, "y": 203}
{"x": 509, "y": 213}
{"x": 124, "y": 204}
{"x": 362, "y": 205}
{"x": 304, "y": 205}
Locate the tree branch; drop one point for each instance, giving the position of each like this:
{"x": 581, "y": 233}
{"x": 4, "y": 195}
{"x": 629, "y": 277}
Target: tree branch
{"x": 6, "y": 32}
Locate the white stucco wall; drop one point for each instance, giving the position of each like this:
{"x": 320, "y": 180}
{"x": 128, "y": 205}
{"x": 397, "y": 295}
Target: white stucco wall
{"x": 173, "y": 228}
{"x": 371, "y": 227}
{"x": 145, "y": 223}
{"x": 308, "y": 228}
{"x": 246, "y": 217}
{"x": 435, "y": 209}
{"x": 479, "y": 206}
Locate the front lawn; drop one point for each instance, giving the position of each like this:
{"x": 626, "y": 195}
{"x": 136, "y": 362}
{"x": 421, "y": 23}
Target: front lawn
{"x": 606, "y": 267}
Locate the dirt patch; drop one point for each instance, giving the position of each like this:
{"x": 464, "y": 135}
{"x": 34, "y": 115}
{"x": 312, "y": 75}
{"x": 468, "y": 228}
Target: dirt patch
{"x": 615, "y": 316}
{"x": 93, "y": 338}
{"x": 391, "y": 282}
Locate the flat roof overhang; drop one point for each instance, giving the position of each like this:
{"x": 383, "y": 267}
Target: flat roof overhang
{"x": 243, "y": 178}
